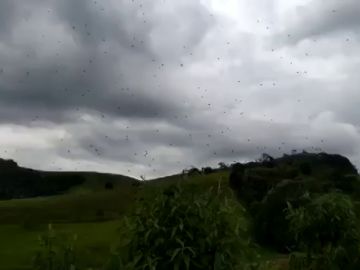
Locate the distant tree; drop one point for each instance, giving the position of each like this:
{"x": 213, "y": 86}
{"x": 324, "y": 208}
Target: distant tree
{"x": 267, "y": 160}
{"x": 207, "y": 170}
{"x": 223, "y": 166}
{"x": 193, "y": 171}
{"x": 109, "y": 185}
{"x": 184, "y": 174}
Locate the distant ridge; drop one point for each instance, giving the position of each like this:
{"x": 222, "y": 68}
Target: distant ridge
{"x": 20, "y": 182}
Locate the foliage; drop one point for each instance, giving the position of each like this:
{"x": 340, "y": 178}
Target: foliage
{"x": 305, "y": 168}
{"x": 348, "y": 183}
{"x": 266, "y": 160}
{"x": 180, "y": 230}
{"x": 236, "y": 176}
{"x": 326, "y": 230}
{"x": 57, "y": 252}
{"x": 109, "y": 185}
{"x": 270, "y": 225}
{"x": 223, "y": 166}
{"x": 194, "y": 171}
{"x": 207, "y": 170}
{"x": 265, "y": 189}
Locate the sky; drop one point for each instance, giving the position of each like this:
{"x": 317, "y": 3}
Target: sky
{"x": 151, "y": 87}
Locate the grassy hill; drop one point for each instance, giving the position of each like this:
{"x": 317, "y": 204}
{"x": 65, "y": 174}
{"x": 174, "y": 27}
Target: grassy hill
{"x": 89, "y": 210}
{"x": 94, "y": 208}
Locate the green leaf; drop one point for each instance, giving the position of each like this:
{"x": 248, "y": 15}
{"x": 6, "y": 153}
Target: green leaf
{"x": 180, "y": 242}
{"x": 175, "y": 253}
{"x": 187, "y": 262}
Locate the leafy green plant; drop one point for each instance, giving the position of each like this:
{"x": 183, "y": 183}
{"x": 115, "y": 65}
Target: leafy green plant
{"x": 271, "y": 228}
{"x": 326, "y": 230}
{"x": 56, "y": 251}
{"x": 183, "y": 230}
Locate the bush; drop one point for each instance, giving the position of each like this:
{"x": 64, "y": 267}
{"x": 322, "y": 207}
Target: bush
{"x": 305, "y": 168}
{"x": 56, "y": 252}
{"x": 326, "y": 230}
{"x": 100, "y": 214}
{"x": 193, "y": 171}
{"x": 207, "y": 170}
{"x": 223, "y": 166}
{"x": 186, "y": 231}
{"x": 348, "y": 183}
{"x": 109, "y": 185}
{"x": 236, "y": 176}
{"x": 270, "y": 225}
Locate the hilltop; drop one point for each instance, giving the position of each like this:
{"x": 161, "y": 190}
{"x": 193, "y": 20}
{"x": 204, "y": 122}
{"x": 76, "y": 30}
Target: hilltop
{"x": 19, "y": 182}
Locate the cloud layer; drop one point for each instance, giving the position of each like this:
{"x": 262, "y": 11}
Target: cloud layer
{"x": 152, "y": 87}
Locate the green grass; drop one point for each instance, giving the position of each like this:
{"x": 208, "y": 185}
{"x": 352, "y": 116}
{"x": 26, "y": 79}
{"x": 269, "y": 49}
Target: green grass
{"x": 67, "y": 208}
{"x": 94, "y": 242}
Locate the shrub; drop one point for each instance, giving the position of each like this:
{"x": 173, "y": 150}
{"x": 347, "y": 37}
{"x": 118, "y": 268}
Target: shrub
{"x": 326, "y": 230}
{"x": 223, "y": 166}
{"x": 56, "y": 252}
{"x": 194, "y": 171}
{"x": 186, "y": 231}
{"x": 109, "y": 185}
{"x": 348, "y": 183}
{"x": 270, "y": 224}
{"x": 100, "y": 214}
{"x": 305, "y": 168}
{"x": 207, "y": 170}
{"x": 236, "y": 176}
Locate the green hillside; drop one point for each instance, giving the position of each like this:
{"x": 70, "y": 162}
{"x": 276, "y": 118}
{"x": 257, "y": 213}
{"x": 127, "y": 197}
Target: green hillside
{"x": 94, "y": 210}
{"x": 89, "y": 210}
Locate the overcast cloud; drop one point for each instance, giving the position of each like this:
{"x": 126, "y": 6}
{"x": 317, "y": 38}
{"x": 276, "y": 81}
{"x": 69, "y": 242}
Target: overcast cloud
{"x": 155, "y": 86}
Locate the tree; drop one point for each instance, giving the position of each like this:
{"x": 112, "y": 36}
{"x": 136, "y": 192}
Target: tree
{"x": 223, "y": 166}
{"x": 326, "y": 230}
{"x": 236, "y": 176}
{"x": 207, "y": 170}
{"x": 267, "y": 160}
{"x": 193, "y": 171}
{"x": 109, "y": 185}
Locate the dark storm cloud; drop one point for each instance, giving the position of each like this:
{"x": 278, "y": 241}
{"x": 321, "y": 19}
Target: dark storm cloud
{"x": 104, "y": 62}
{"x": 168, "y": 147}
{"x": 153, "y": 87}
{"x": 54, "y": 89}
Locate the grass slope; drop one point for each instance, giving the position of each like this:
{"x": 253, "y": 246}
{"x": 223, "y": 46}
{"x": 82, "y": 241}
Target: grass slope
{"x": 89, "y": 210}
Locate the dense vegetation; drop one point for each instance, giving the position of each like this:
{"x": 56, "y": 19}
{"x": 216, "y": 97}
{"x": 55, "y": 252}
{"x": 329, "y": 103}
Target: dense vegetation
{"x": 300, "y": 211}
{"x": 303, "y": 204}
